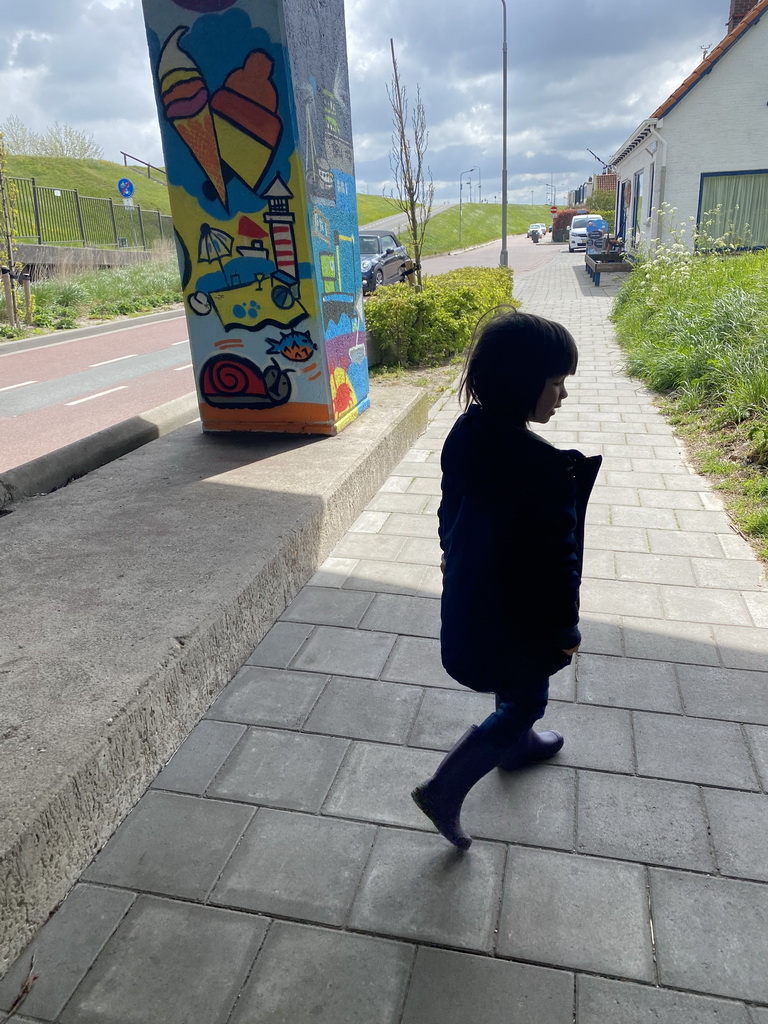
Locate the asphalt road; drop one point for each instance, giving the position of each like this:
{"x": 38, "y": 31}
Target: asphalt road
{"x": 522, "y": 253}
{"x": 60, "y": 392}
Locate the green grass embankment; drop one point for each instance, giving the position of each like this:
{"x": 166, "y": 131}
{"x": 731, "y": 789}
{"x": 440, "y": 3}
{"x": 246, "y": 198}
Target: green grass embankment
{"x": 480, "y": 223}
{"x": 92, "y": 178}
{"x": 695, "y": 330}
{"x": 372, "y": 208}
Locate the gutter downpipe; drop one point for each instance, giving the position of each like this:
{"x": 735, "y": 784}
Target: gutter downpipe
{"x": 660, "y": 181}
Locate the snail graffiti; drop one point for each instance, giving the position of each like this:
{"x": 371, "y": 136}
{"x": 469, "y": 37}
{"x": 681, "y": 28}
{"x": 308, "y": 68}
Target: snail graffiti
{"x": 258, "y": 150}
{"x": 232, "y": 382}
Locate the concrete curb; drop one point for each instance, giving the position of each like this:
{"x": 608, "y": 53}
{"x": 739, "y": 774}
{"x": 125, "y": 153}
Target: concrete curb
{"x": 57, "y": 468}
{"x": 138, "y": 592}
{"x": 60, "y": 337}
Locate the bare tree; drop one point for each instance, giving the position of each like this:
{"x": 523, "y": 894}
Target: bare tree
{"x": 415, "y": 189}
{"x": 18, "y": 138}
{"x": 58, "y": 140}
{"x": 64, "y": 140}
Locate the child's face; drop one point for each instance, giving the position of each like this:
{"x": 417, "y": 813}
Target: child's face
{"x": 551, "y": 398}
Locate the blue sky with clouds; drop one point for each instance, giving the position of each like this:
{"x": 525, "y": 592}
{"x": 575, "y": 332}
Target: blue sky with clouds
{"x": 581, "y": 75}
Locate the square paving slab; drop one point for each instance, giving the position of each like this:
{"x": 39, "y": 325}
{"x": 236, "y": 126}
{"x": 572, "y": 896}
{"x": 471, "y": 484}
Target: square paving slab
{"x": 171, "y": 844}
{"x": 280, "y": 769}
{"x": 267, "y": 696}
{"x": 419, "y": 887}
{"x": 365, "y": 709}
{"x": 711, "y": 934}
{"x": 307, "y": 975}
{"x": 296, "y": 865}
{"x": 643, "y": 820}
{"x": 65, "y": 948}
{"x": 602, "y": 1001}
{"x": 448, "y": 986}
{"x": 577, "y": 912}
{"x": 200, "y": 756}
{"x": 171, "y": 962}
{"x": 670, "y": 747}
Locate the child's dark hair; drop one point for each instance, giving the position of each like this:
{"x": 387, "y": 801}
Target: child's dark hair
{"x": 512, "y": 356}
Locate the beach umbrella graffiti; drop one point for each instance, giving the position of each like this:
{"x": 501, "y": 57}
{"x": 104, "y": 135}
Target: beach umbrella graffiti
{"x": 214, "y": 243}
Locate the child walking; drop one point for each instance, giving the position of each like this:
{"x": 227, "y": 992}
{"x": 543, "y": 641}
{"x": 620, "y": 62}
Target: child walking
{"x": 511, "y": 524}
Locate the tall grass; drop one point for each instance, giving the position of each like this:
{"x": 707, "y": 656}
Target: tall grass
{"x": 73, "y": 296}
{"x": 698, "y": 327}
{"x": 694, "y": 327}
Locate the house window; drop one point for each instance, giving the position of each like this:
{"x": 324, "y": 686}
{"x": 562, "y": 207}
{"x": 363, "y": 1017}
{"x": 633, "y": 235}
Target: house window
{"x": 637, "y": 207}
{"x": 651, "y": 183}
{"x": 624, "y": 199}
{"x": 734, "y": 207}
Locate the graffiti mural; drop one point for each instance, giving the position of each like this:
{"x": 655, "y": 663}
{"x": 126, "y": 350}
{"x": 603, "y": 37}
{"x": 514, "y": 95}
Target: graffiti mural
{"x": 256, "y": 131}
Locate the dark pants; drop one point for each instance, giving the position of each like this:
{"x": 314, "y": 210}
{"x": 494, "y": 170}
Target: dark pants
{"x": 516, "y": 710}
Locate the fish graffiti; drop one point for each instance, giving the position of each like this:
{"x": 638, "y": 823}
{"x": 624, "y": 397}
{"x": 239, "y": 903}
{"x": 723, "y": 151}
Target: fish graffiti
{"x": 296, "y": 346}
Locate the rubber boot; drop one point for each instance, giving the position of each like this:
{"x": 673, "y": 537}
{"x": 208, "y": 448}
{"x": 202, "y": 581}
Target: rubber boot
{"x": 441, "y": 797}
{"x": 536, "y": 746}
{"x": 532, "y": 748}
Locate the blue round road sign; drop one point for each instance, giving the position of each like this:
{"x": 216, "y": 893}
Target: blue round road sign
{"x": 125, "y": 188}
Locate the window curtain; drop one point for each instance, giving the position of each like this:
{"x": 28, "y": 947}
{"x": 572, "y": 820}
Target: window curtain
{"x": 743, "y": 201}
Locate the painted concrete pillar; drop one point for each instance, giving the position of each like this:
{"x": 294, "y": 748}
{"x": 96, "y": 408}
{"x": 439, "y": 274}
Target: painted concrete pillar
{"x": 253, "y": 101}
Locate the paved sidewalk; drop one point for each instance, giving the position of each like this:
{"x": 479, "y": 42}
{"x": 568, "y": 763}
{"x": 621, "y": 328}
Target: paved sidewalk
{"x": 277, "y": 870}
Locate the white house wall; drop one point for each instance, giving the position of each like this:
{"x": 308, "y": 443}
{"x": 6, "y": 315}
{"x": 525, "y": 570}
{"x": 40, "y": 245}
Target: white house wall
{"x": 638, "y": 160}
{"x": 720, "y": 126}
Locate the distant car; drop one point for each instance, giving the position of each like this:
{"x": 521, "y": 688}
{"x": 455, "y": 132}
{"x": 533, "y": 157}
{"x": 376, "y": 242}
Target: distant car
{"x": 541, "y": 228}
{"x": 580, "y": 226}
{"x": 381, "y": 259}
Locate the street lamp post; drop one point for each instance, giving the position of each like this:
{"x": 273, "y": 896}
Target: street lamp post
{"x": 479, "y": 185}
{"x": 504, "y": 255}
{"x": 461, "y": 185}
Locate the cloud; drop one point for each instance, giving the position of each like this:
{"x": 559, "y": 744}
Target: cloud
{"x": 582, "y": 74}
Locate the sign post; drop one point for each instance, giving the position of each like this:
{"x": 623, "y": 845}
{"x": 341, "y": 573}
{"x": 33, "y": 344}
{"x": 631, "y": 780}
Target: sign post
{"x": 553, "y": 210}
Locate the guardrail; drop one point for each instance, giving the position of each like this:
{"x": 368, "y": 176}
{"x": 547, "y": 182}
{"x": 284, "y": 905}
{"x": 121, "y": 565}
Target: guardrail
{"x": 150, "y": 167}
{"x": 61, "y": 216}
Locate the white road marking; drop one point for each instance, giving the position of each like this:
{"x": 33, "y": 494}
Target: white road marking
{"x": 23, "y": 384}
{"x": 98, "y": 395}
{"x": 185, "y": 342}
{"x": 116, "y": 360}
{"x": 187, "y": 366}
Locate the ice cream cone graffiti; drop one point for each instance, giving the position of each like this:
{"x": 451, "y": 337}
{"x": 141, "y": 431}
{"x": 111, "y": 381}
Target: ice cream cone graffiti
{"x": 234, "y": 131}
{"x": 185, "y": 101}
{"x": 245, "y": 113}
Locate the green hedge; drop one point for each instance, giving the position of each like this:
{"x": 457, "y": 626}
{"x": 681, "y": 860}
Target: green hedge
{"x": 430, "y": 327}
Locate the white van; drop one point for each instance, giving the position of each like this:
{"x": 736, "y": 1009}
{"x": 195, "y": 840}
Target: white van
{"x": 577, "y": 238}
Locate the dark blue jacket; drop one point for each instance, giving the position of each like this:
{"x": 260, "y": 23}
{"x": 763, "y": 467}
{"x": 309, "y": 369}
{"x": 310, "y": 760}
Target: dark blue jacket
{"x": 512, "y": 533}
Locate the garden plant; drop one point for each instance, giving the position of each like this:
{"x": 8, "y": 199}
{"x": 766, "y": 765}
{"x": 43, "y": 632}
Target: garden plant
{"x": 693, "y": 321}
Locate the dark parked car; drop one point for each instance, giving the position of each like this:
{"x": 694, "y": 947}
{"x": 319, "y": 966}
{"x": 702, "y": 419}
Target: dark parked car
{"x": 381, "y": 259}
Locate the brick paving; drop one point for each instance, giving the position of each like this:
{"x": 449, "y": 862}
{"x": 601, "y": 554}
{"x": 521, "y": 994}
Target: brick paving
{"x": 278, "y": 871}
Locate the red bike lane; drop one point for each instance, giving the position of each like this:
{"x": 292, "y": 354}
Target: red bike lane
{"x": 27, "y": 434}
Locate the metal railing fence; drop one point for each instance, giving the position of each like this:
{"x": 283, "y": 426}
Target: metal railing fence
{"x": 61, "y": 216}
